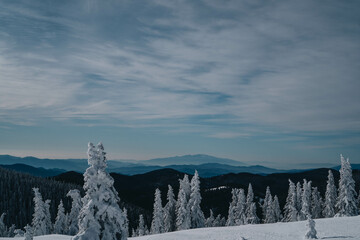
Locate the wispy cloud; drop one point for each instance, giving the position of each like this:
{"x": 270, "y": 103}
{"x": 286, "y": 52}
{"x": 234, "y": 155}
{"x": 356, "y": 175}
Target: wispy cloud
{"x": 283, "y": 66}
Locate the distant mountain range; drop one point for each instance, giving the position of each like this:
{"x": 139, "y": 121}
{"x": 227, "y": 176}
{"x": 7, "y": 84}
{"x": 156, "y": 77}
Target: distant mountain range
{"x": 207, "y": 166}
{"x": 192, "y": 160}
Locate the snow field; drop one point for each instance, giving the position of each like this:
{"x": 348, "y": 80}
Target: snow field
{"x": 344, "y": 228}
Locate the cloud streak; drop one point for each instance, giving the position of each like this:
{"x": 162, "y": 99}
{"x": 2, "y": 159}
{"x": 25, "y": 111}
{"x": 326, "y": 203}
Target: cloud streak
{"x": 281, "y": 66}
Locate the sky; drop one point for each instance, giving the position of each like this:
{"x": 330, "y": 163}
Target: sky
{"x": 263, "y": 82}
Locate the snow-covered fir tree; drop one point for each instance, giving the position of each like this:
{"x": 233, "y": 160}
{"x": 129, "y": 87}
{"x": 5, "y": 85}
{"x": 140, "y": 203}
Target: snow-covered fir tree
{"x": 60, "y": 225}
{"x": 290, "y": 211}
{"x": 306, "y": 200}
{"x": 298, "y": 197}
{"x": 266, "y": 202}
{"x": 142, "y": 229}
{"x": 232, "y": 208}
{"x": 48, "y": 222}
{"x": 157, "y": 224}
{"x": 183, "y": 219}
{"x": 277, "y": 210}
{"x": 330, "y": 197}
{"x": 196, "y": 214}
{"x": 209, "y": 222}
{"x": 218, "y": 222}
{"x": 240, "y": 217}
{"x": 270, "y": 212}
{"x": 75, "y": 211}
{"x": 311, "y": 232}
{"x": 125, "y": 226}
{"x": 316, "y": 203}
{"x": 100, "y": 217}
{"x": 29, "y": 233}
{"x": 346, "y": 201}
{"x": 170, "y": 211}
{"x": 3, "y": 228}
{"x": 251, "y": 217}
{"x": 39, "y": 216}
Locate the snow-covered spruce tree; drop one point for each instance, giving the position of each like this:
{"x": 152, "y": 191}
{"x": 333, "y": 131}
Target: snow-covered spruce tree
{"x": 316, "y": 203}
{"x": 311, "y": 233}
{"x": 3, "y": 228}
{"x": 330, "y": 197}
{"x": 170, "y": 211}
{"x": 141, "y": 230}
{"x": 100, "y": 217}
{"x": 240, "y": 217}
{"x": 251, "y": 217}
{"x": 290, "y": 211}
{"x": 232, "y": 208}
{"x": 306, "y": 200}
{"x": 29, "y": 233}
{"x": 39, "y": 216}
{"x": 209, "y": 222}
{"x": 60, "y": 225}
{"x": 125, "y": 226}
{"x": 157, "y": 224}
{"x": 346, "y": 201}
{"x": 185, "y": 185}
{"x": 277, "y": 210}
{"x": 266, "y": 202}
{"x": 183, "y": 220}
{"x": 270, "y": 212}
{"x": 196, "y": 214}
{"x": 75, "y": 211}
{"x": 48, "y": 223}
{"x": 298, "y": 197}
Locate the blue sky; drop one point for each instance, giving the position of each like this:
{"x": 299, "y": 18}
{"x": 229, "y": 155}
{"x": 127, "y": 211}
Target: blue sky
{"x": 273, "y": 82}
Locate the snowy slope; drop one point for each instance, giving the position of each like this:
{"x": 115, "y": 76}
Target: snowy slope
{"x": 345, "y": 228}
{"x": 331, "y": 228}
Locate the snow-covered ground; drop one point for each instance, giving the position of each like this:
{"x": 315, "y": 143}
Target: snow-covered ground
{"x": 345, "y": 228}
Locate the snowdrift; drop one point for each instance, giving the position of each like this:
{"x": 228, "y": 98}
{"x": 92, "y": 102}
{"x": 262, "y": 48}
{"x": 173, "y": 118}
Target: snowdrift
{"x": 345, "y": 228}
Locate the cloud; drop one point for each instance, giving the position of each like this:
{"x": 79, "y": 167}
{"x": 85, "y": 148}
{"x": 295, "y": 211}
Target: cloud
{"x": 284, "y": 66}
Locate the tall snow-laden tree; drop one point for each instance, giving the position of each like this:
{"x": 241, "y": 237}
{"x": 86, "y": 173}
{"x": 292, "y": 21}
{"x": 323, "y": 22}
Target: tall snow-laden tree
{"x": 251, "y": 217}
{"x": 170, "y": 211}
{"x": 277, "y": 210}
{"x": 290, "y": 211}
{"x": 306, "y": 200}
{"x": 157, "y": 224}
{"x": 125, "y": 226}
{"x": 60, "y": 222}
{"x": 240, "y": 217}
{"x": 330, "y": 197}
{"x": 232, "y": 208}
{"x": 209, "y": 222}
{"x": 196, "y": 214}
{"x": 346, "y": 201}
{"x": 39, "y": 216}
{"x": 185, "y": 185}
{"x": 75, "y": 211}
{"x": 298, "y": 197}
{"x": 3, "y": 228}
{"x": 270, "y": 212}
{"x": 183, "y": 219}
{"x": 316, "y": 203}
{"x": 142, "y": 229}
{"x": 266, "y": 202}
{"x": 48, "y": 222}
{"x": 100, "y": 217}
